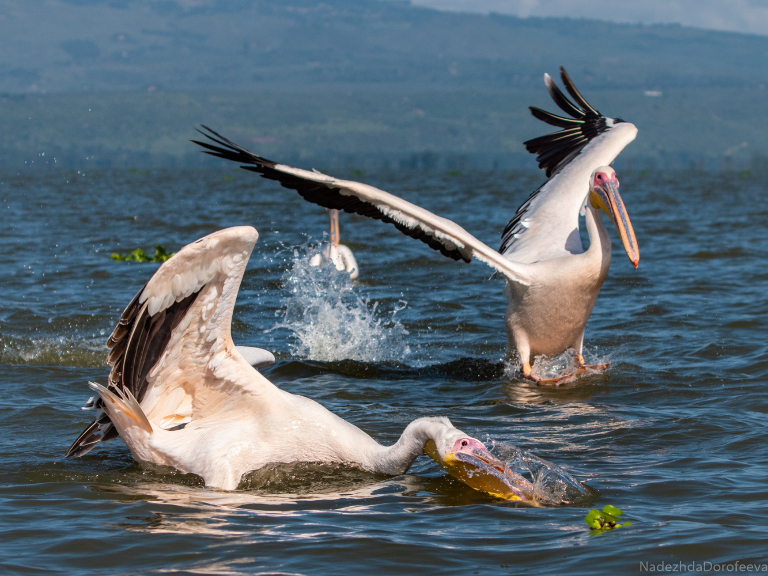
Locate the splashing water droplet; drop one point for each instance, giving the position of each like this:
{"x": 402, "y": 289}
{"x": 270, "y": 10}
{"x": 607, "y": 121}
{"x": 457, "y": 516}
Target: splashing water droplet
{"x": 550, "y": 367}
{"x": 331, "y": 321}
{"x": 537, "y": 479}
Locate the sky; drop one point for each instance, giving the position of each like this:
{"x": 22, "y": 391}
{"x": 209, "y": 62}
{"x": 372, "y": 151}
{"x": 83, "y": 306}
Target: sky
{"x": 746, "y": 16}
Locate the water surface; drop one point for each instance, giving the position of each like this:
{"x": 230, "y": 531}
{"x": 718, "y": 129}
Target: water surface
{"x": 673, "y": 433}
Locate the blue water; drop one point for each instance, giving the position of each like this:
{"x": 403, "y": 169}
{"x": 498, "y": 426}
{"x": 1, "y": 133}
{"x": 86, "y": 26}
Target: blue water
{"x": 673, "y": 434}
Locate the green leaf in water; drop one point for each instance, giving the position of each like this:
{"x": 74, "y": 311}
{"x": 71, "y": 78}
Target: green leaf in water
{"x": 138, "y": 255}
{"x": 161, "y": 256}
{"x": 607, "y": 519}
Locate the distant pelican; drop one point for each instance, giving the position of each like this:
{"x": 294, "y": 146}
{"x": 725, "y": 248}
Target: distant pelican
{"x": 340, "y": 255}
{"x": 552, "y": 283}
{"x": 181, "y": 395}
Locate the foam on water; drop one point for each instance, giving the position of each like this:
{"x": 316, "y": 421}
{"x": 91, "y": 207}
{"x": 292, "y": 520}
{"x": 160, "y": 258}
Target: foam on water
{"x": 331, "y": 321}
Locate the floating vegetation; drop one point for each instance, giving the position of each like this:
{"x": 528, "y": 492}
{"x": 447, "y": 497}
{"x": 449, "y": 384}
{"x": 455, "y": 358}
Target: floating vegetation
{"x": 605, "y": 520}
{"x": 139, "y": 255}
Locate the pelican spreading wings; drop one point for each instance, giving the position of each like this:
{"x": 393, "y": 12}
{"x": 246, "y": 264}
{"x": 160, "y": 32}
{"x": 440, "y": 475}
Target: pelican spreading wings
{"x": 180, "y": 394}
{"x": 552, "y": 282}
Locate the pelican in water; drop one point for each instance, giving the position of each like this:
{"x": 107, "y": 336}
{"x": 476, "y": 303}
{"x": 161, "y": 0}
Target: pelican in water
{"x": 180, "y": 394}
{"x": 552, "y": 282}
{"x": 340, "y": 255}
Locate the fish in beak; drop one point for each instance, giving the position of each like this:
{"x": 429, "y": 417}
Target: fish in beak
{"x": 604, "y": 194}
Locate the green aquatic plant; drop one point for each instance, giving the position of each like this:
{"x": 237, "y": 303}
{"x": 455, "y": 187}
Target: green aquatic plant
{"x": 605, "y": 520}
{"x": 139, "y": 255}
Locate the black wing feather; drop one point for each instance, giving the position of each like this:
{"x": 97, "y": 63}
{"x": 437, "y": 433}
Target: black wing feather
{"x": 135, "y": 346}
{"x": 562, "y": 102}
{"x": 554, "y": 119}
{"x": 317, "y": 193}
{"x": 585, "y": 121}
{"x": 575, "y": 94}
{"x": 514, "y": 225}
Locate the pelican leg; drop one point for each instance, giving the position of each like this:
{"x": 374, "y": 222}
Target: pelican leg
{"x": 528, "y": 373}
{"x": 334, "y": 215}
{"x": 581, "y": 366}
{"x": 519, "y": 340}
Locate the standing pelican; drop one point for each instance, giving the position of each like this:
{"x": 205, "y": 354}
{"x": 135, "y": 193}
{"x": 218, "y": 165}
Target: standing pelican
{"x": 552, "y": 283}
{"x": 180, "y": 394}
{"x": 340, "y": 255}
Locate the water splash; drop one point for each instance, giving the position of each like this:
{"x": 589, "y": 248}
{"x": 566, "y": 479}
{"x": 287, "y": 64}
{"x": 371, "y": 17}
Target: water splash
{"x": 538, "y": 480}
{"x": 331, "y": 322}
{"x": 551, "y": 367}
{"x": 53, "y": 350}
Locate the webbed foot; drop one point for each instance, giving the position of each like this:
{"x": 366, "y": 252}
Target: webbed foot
{"x": 581, "y": 369}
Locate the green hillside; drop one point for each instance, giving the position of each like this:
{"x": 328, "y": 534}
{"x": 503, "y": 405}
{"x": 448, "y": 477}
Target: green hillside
{"x": 96, "y": 45}
{"x": 451, "y": 130}
{"x": 353, "y": 82}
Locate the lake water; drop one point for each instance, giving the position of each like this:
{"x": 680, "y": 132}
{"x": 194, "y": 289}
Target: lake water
{"x": 673, "y": 434}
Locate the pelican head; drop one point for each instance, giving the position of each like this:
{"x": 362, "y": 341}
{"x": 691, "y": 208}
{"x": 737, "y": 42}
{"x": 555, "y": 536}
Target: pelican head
{"x": 604, "y": 194}
{"x": 468, "y": 460}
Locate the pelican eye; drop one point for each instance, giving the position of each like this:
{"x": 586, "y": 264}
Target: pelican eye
{"x": 464, "y": 443}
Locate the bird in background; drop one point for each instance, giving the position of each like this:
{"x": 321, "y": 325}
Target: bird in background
{"x": 341, "y": 256}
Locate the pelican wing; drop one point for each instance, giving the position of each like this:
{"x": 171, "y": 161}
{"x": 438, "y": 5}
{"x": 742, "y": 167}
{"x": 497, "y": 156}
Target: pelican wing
{"x": 172, "y": 348}
{"x": 547, "y": 224}
{"x": 438, "y": 233}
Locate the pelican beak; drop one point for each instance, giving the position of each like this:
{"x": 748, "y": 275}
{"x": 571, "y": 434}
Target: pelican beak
{"x": 606, "y": 196}
{"x": 470, "y": 462}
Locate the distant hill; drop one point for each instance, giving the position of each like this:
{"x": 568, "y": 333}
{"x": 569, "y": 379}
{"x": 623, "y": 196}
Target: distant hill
{"x": 98, "y": 45}
{"x": 370, "y": 130}
{"x": 358, "y": 82}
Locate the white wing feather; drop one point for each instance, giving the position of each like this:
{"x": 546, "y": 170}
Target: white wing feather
{"x": 201, "y": 368}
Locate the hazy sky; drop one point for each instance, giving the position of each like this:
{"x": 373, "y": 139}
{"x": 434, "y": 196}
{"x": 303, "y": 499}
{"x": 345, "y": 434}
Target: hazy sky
{"x": 750, "y": 16}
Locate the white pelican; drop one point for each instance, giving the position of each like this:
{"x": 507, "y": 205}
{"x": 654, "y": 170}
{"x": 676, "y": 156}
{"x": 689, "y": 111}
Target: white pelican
{"x": 340, "y": 255}
{"x": 552, "y": 283}
{"x": 180, "y": 394}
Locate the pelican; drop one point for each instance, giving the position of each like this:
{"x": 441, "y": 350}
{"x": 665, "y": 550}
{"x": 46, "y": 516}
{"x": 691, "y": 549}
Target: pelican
{"x": 552, "y": 282}
{"x": 340, "y": 255}
{"x": 180, "y": 394}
